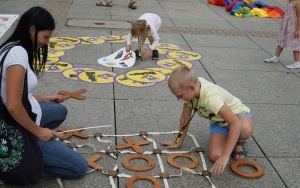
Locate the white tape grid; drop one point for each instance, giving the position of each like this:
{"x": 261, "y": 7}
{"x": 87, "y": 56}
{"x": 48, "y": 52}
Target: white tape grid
{"x": 165, "y": 180}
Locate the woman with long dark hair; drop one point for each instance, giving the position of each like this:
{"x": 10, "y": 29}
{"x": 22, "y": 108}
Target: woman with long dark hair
{"x": 31, "y": 38}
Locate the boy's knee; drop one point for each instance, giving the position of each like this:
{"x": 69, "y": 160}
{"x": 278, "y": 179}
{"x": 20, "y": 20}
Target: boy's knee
{"x": 213, "y": 156}
{"x": 246, "y": 132}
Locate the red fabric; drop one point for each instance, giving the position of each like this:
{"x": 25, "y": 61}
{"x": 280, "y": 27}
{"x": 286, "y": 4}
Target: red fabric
{"x": 217, "y": 2}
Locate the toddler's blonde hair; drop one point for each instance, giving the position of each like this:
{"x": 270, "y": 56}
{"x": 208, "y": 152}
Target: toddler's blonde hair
{"x": 181, "y": 77}
{"x": 140, "y": 27}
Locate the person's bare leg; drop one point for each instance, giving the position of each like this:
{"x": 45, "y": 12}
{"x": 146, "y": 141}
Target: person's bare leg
{"x": 217, "y": 143}
{"x": 296, "y": 56}
{"x": 246, "y": 132}
{"x": 132, "y": 4}
{"x": 278, "y": 51}
{"x": 106, "y": 3}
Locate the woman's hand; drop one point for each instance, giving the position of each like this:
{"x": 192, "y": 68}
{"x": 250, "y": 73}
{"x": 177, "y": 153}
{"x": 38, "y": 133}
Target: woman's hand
{"x": 45, "y": 134}
{"x": 50, "y": 98}
{"x": 220, "y": 165}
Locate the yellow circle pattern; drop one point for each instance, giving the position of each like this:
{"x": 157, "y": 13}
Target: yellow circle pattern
{"x": 145, "y": 76}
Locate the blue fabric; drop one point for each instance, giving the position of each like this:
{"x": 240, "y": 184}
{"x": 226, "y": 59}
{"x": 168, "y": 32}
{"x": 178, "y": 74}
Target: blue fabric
{"x": 59, "y": 159}
{"x": 216, "y": 128}
{"x": 236, "y": 6}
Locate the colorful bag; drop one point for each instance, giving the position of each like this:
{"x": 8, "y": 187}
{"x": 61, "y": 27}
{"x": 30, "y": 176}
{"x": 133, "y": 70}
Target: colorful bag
{"x": 21, "y": 160}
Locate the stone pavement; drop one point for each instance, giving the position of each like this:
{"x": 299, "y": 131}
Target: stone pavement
{"x": 232, "y": 50}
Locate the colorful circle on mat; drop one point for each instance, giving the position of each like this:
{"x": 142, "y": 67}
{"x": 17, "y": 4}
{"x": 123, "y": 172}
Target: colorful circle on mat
{"x": 164, "y": 71}
{"x": 55, "y": 53}
{"x": 184, "y": 55}
{"x": 145, "y": 76}
{"x": 73, "y": 72}
{"x": 163, "y": 48}
{"x": 91, "y": 40}
{"x": 97, "y": 76}
{"x": 52, "y": 60}
{"x": 61, "y": 45}
{"x": 71, "y": 40}
{"x": 57, "y": 67}
{"x": 173, "y": 63}
{"x": 122, "y": 79}
{"x": 113, "y": 38}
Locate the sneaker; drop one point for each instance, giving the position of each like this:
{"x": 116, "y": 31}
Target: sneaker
{"x": 295, "y": 65}
{"x": 154, "y": 54}
{"x": 272, "y": 60}
{"x": 137, "y": 55}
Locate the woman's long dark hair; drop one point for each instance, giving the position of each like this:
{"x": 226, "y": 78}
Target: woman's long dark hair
{"x": 42, "y": 20}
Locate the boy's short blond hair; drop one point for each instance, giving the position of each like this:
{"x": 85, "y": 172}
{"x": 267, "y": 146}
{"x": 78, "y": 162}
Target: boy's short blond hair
{"x": 139, "y": 27}
{"x": 181, "y": 77}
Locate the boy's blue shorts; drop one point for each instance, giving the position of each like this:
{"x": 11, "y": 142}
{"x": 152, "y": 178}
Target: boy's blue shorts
{"x": 216, "y": 128}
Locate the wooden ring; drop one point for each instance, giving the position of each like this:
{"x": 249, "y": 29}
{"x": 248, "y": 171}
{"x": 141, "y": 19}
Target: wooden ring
{"x": 193, "y": 164}
{"x": 126, "y": 162}
{"x": 256, "y": 175}
{"x": 155, "y": 181}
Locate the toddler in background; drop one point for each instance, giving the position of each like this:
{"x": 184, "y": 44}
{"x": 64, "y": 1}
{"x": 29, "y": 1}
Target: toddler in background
{"x": 146, "y": 26}
{"x": 288, "y": 35}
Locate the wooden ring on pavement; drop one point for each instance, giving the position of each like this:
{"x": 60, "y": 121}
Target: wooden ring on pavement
{"x": 155, "y": 181}
{"x": 126, "y": 162}
{"x": 193, "y": 164}
{"x": 256, "y": 175}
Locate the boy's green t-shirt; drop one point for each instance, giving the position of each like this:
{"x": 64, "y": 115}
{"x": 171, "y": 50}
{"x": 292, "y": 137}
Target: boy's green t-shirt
{"x": 212, "y": 98}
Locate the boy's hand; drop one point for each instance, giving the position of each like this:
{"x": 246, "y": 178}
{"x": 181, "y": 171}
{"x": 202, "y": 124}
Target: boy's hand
{"x": 128, "y": 48}
{"x": 169, "y": 144}
{"x": 220, "y": 165}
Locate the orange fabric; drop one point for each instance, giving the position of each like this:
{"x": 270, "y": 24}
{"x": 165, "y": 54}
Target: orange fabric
{"x": 274, "y": 14}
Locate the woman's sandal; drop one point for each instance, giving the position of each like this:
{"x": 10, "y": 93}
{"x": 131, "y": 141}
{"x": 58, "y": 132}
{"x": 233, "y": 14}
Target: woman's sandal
{"x": 235, "y": 152}
{"x": 104, "y": 4}
{"x": 132, "y": 5}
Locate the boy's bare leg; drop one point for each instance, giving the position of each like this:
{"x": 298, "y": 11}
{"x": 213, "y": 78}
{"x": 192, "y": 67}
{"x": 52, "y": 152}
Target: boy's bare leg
{"x": 217, "y": 141}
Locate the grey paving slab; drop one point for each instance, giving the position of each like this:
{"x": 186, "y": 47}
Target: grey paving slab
{"x": 288, "y": 168}
{"x": 220, "y": 41}
{"x": 259, "y": 87}
{"x": 214, "y": 24}
{"x": 236, "y": 59}
{"x": 254, "y": 26}
{"x": 273, "y": 129}
{"x": 232, "y": 60}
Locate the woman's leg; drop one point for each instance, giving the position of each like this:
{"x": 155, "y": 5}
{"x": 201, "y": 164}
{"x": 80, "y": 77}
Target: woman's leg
{"x": 53, "y": 114}
{"x": 62, "y": 161}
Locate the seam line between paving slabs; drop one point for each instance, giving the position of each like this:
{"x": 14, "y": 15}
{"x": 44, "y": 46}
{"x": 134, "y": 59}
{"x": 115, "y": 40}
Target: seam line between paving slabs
{"x": 267, "y": 158}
